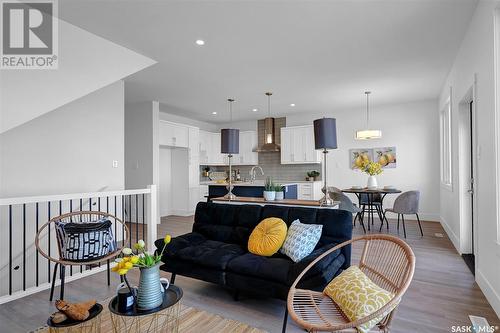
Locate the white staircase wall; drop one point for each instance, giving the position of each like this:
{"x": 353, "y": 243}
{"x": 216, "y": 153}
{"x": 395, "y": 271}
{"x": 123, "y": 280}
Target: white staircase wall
{"x": 87, "y": 63}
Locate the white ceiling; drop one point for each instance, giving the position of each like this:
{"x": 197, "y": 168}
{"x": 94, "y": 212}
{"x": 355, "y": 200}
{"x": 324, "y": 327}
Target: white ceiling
{"x": 320, "y": 55}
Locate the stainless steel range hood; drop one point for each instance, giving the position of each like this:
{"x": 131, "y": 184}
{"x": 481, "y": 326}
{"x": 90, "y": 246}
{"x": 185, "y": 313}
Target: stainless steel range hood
{"x": 269, "y": 134}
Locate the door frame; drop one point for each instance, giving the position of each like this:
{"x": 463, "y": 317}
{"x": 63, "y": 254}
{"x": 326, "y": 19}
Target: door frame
{"x": 464, "y": 136}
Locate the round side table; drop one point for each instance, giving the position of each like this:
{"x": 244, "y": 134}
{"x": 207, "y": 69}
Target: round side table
{"x": 164, "y": 318}
{"x": 90, "y": 325}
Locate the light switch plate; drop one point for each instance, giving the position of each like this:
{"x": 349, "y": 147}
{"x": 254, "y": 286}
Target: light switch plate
{"x": 115, "y": 164}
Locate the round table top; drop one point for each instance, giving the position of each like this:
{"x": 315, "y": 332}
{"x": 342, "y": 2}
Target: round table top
{"x": 366, "y": 190}
{"x": 94, "y": 312}
{"x": 171, "y": 296}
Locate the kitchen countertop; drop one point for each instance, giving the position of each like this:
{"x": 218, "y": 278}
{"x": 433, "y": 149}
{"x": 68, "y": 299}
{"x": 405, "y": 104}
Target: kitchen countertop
{"x": 257, "y": 183}
{"x": 285, "y": 202}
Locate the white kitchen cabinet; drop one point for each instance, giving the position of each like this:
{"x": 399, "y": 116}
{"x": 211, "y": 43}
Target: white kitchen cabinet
{"x": 204, "y": 146}
{"x": 297, "y": 145}
{"x": 194, "y": 157}
{"x": 203, "y": 192}
{"x": 248, "y": 142}
{"x": 173, "y": 135}
{"x": 210, "y": 153}
{"x": 309, "y": 191}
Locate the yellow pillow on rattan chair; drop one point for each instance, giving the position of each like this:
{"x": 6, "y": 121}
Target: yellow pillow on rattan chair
{"x": 267, "y": 237}
{"x": 358, "y": 296}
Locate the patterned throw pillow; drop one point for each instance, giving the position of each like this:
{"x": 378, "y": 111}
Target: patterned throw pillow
{"x": 358, "y": 296}
{"x": 85, "y": 241}
{"x": 267, "y": 237}
{"x": 301, "y": 240}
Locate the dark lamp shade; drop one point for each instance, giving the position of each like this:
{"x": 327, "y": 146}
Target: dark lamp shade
{"x": 325, "y": 133}
{"x": 230, "y": 141}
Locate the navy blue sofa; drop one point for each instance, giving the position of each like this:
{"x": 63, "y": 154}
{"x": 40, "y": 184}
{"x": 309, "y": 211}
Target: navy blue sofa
{"x": 216, "y": 250}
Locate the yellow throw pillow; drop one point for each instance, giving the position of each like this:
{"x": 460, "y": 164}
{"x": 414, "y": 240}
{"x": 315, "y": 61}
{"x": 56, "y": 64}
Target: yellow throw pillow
{"x": 267, "y": 237}
{"x": 358, "y": 296}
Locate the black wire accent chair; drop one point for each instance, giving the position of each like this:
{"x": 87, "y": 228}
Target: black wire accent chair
{"x": 89, "y": 241}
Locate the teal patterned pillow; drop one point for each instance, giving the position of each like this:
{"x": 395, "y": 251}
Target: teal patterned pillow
{"x": 301, "y": 239}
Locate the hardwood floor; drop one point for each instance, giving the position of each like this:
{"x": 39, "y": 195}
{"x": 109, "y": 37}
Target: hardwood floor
{"x": 443, "y": 292}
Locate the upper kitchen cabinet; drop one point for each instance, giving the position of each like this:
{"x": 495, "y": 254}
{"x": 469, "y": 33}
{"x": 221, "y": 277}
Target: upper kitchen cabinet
{"x": 297, "y": 145}
{"x": 173, "y": 135}
{"x": 248, "y": 143}
{"x": 210, "y": 154}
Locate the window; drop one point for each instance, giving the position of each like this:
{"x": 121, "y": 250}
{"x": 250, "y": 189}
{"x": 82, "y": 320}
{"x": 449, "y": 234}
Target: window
{"x": 445, "y": 144}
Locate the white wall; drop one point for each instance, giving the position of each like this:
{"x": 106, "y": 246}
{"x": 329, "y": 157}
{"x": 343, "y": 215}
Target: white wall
{"x": 166, "y": 114}
{"x": 70, "y": 149}
{"x": 476, "y": 58}
{"x": 87, "y": 63}
{"x": 411, "y": 127}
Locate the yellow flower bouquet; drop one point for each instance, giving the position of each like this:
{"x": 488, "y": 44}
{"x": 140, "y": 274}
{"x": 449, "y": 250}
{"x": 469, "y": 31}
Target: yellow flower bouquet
{"x": 140, "y": 258}
{"x": 372, "y": 168}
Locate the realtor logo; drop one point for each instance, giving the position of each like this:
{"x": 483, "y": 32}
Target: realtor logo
{"x": 29, "y": 34}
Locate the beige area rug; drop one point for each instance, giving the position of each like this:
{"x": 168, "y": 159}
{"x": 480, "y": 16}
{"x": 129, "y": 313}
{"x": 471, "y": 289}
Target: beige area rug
{"x": 191, "y": 320}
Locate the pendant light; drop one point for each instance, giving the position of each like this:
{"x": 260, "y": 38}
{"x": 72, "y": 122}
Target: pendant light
{"x": 367, "y": 133}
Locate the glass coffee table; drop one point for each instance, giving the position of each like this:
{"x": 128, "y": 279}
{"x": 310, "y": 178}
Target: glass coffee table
{"x": 164, "y": 318}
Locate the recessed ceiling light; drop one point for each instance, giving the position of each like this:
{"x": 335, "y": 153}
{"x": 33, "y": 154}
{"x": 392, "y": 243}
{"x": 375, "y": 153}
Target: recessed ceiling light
{"x": 214, "y": 113}
{"x": 200, "y": 42}
{"x": 292, "y": 105}
{"x": 255, "y": 110}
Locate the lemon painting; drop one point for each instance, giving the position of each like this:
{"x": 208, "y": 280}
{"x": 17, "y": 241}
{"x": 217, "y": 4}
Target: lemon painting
{"x": 385, "y": 156}
{"x": 359, "y": 157}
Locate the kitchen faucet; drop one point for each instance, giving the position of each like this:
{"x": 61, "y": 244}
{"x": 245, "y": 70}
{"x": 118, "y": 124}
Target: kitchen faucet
{"x": 253, "y": 172}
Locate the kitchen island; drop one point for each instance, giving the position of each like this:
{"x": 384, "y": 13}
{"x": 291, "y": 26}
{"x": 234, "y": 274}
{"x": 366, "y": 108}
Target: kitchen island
{"x": 285, "y": 202}
{"x": 248, "y": 189}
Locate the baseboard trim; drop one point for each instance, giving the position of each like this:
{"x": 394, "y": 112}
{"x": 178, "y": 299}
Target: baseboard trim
{"x": 180, "y": 212}
{"x": 428, "y": 217}
{"x": 488, "y": 291}
{"x": 451, "y": 235}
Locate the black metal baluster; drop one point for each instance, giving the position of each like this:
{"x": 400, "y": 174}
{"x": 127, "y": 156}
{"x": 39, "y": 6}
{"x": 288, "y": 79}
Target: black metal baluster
{"x": 48, "y": 237}
{"x": 71, "y": 211}
{"x": 36, "y": 252}
{"x": 24, "y": 247}
{"x": 137, "y": 219}
{"x": 115, "y": 222}
{"x": 81, "y": 207}
{"x": 129, "y": 215}
{"x": 123, "y": 220}
{"x": 99, "y": 204}
{"x": 144, "y": 236}
{"x": 10, "y": 249}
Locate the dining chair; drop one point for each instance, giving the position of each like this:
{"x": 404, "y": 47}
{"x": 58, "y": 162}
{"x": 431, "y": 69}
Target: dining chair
{"x": 346, "y": 204}
{"x": 405, "y": 204}
{"x": 374, "y": 206}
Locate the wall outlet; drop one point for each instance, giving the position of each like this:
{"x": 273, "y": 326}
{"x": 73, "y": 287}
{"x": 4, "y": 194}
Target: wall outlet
{"x": 115, "y": 164}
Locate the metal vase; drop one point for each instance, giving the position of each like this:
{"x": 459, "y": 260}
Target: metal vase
{"x": 149, "y": 295}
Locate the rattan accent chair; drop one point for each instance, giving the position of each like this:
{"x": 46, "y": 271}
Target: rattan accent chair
{"x": 387, "y": 260}
{"x": 77, "y": 217}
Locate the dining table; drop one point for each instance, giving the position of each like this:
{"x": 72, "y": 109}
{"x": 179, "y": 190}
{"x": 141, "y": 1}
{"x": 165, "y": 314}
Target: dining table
{"x": 370, "y": 193}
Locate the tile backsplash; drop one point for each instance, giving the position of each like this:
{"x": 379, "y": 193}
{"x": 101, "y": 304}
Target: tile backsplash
{"x": 271, "y": 164}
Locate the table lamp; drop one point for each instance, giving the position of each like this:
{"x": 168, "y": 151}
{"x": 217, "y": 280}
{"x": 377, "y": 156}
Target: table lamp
{"x": 325, "y": 138}
{"x": 230, "y": 144}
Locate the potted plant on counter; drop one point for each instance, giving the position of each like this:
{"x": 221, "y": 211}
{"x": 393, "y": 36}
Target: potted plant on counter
{"x": 269, "y": 192}
{"x": 312, "y": 175}
{"x": 280, "y": 194}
